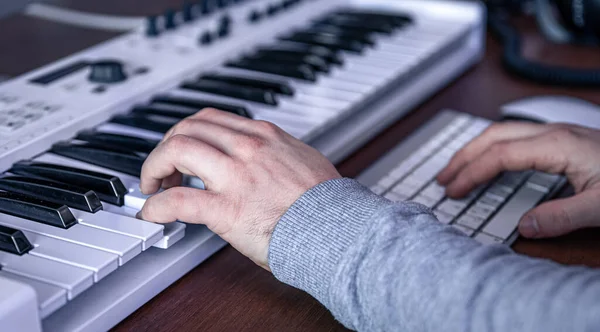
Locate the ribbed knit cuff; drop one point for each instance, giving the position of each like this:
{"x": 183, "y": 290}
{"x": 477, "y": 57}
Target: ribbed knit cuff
{"x": 314, "y": 233}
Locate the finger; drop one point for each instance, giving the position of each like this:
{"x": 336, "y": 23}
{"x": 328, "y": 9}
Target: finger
{"x": 562, "y": 216}
{"x": 215, "y": 116}
{"x": 543, "y": 153}
{"x": 185, "y": 155}
{"x": 171, "y": 181}
{"x": 496, "y": 133}
{"x": 220, "y": 137}
{"x": 184, "y": 204}
{"x": 240, "y": 124}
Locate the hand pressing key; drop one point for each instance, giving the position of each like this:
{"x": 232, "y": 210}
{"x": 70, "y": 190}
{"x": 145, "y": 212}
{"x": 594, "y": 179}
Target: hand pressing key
{"x": 555, "y": 148}
{"x": 253, "y": 172}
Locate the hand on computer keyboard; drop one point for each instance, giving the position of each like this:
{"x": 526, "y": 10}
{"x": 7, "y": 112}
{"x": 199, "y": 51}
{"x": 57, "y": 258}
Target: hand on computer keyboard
{"x": 556, "y": 148}
{"x": 253, "y": 172}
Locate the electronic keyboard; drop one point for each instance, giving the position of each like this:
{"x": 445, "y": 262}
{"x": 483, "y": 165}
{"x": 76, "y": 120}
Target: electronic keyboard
{"x": 74, "y": 134}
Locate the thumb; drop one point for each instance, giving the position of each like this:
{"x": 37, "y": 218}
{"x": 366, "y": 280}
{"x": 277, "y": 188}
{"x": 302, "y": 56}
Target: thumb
{"x": 184, "y": 204}
{"x": 562, "y": 216}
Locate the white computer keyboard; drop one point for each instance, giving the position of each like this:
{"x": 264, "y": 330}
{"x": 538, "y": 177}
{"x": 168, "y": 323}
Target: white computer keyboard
{"x": 489, "y": 214}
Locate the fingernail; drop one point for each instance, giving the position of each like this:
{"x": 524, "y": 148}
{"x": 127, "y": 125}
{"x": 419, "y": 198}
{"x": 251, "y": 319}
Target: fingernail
{"x": 529, "y": 227}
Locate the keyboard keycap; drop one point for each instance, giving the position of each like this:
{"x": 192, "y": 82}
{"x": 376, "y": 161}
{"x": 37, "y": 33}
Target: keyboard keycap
{"x": 487, "y": 239}
{"x": 427, "y": 201}
{"x": 13, "y": 241}
{"x": 465, "y": 230}
{"x": 53, "y": 214}
{"x": 443, "y": 217}
{"x": 471, "y": 221}
{"x": 506, "y": 220}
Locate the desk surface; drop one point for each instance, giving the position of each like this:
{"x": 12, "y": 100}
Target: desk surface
{"x": 230, "y": 293}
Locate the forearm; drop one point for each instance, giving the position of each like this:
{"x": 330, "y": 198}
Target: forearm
{"x": 383, "y": 266}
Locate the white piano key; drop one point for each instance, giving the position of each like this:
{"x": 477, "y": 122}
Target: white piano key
{"x": 50, "y": 298}
{"x": 119, "y": 129}
{"x": 319, "y": 101}
{"x": 74, "y": 279}
{"x": 124, "y": 246}
{"x": 100, "y": 262}
{"x": 319, "y": 90}
{"x": 358, "y": 87}
{"x": 135, "y": 199}
{"x": 345, "y": 75}
{"x": 149, "y": 233}
{"x": 173, "y": 232}
{"x": 257, "y": 110}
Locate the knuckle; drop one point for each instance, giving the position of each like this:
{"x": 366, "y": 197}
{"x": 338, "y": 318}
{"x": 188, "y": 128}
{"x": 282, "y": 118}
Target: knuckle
{"x": 177, "y": 143}
{"x": 208, "y": 112}
{"x": 267, "y": 128}
{"x": 175, "y": 196}
{"x": 562, "y": 134}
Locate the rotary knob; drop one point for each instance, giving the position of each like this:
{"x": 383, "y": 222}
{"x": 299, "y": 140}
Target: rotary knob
{"x": 107, "y": 71}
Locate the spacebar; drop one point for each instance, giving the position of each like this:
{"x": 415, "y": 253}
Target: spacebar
{"x": 506, "y": 220}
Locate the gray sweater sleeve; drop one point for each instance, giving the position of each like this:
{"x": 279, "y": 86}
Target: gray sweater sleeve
{"x": 382, "y": 266}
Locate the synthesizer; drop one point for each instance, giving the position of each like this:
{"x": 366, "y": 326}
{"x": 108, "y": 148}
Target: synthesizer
{"x": 74, "y": 133}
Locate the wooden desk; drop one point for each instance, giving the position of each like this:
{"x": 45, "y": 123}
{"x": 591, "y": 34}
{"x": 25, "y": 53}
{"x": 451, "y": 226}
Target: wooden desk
{"x": 228, "y": 292}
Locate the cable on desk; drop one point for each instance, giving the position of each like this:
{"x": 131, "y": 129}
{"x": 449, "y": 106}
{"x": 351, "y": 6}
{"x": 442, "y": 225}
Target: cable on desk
{"x": 84, "y": 19}
{"x": 514, "y": 62}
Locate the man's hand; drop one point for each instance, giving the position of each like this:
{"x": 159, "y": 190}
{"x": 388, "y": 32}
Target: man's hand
{"x": 557, "y": 148}
{"x": 253, "y": 172}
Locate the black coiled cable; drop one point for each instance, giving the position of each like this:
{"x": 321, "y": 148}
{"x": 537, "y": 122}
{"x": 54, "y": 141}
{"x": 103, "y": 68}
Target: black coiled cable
{"x": 514, "y": 62}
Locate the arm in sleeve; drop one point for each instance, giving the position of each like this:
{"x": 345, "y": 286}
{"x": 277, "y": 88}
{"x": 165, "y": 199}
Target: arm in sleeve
{"x": 382, "y": 266}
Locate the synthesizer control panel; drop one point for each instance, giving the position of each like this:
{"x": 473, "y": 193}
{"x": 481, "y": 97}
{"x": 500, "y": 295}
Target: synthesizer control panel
{"x": 53, "y": 102}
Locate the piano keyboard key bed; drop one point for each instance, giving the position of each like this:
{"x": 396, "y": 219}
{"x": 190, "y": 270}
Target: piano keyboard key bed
{"x": 339, "y": 73}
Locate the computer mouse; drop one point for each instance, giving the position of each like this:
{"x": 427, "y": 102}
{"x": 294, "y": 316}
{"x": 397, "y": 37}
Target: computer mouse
{"x": 552, "y": 109}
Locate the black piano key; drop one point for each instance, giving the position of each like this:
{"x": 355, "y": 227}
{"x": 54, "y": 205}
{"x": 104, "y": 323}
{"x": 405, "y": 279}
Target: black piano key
{"x": 329, "y": 41}
{"x": 128, "y": 142}
{"x": 358, "y": 30}
{"x": 13, "y": 241}
{"x": 355, "y": 22}
{"x": 281, "y": 88}
{"x": 202, "y": 104}
{"x": 115, "y": 159}
{"x": 331, "y": 56}
{"x": 315, "y": 62}
{"x": 343, "y": 34}
{"x": 234, "y": 91}
{"x": 173, "y": 111}
{"x": 398, "y": 19}
{"x": 302, "y": 72}
{"x": 109, "y": 188}
{"x": 159, "y": 124}
{"x": 52, "y": 191}
{"x": 31, "y": 208}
